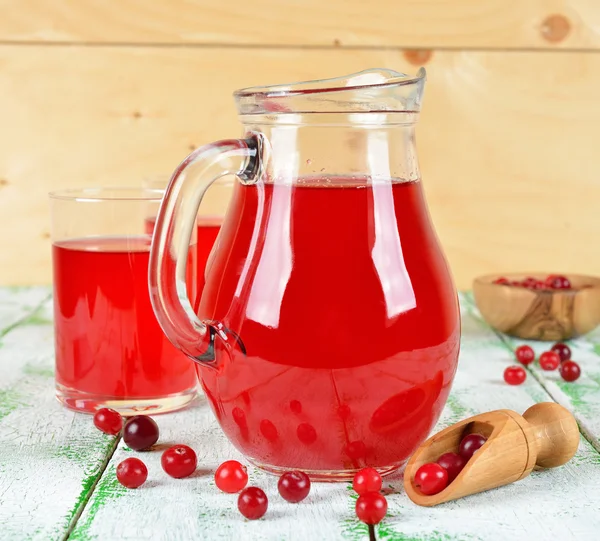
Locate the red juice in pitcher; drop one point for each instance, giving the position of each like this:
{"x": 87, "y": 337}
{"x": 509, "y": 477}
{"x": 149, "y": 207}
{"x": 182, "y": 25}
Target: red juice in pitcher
{"x": 108, "y": 341}
{"x": 307, "y": 274}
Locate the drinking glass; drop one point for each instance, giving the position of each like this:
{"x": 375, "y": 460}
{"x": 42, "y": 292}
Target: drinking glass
{"x": 208, "y": 221}
{"x": 110, "y": 350}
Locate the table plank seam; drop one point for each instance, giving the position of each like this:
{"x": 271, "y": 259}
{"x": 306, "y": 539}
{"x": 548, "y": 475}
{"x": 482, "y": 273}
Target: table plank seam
{"x": 88, "y": 496}
{"x": 506, "y": 343}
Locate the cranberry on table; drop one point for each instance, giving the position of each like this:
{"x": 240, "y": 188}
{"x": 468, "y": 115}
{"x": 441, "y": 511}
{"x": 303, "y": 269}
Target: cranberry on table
{"x": 294, "y": 486}
{"x": 453, "y": 463}
{"x": 367, "y": 480}
{"x": 252, "y": 503}
{"x": 564, "y": 351}
{"x": 371, "y": 508}
{"x": 549, "y": 360}
{"x": 570, "y": 371}
{"x": 525, "y": 354}
{"x": 557, "y": 281}
{"x": 431, "y": 478}
{"x": 471, "y": 443}
{"x": 132, "y": 473}
{"x": 140, "y": 432}
{"x": 179, "y": 461}
{"x": 108, "y": 421}
{"x": 231, "y": 477}
{"x": 515, "y": 375}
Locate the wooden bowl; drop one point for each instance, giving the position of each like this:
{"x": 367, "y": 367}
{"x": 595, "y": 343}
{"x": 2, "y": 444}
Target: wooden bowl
{"x": 538, "y": 314}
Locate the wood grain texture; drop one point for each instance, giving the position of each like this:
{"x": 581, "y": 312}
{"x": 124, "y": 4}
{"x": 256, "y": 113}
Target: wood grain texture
{"x": 50, "y": 458}
{"x": 193, "y": 508}
{"x": 407, "y": 23}
{"x": 507, "y": 142}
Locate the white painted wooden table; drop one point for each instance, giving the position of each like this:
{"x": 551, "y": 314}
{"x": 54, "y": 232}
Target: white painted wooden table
{"x": 57, "y": 472}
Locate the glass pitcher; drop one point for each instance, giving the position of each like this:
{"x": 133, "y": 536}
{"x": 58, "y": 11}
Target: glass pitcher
{"x": 328, "y": 331}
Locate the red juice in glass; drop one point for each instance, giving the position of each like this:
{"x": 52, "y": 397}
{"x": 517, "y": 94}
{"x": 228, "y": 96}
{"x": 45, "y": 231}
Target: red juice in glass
{"x": 207, "y": 228}
{"x": 108, "y": 342}
{"x": 306, "y": 275}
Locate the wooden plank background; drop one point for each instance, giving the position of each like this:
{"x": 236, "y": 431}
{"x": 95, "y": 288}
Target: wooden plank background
{"x": 105, "y": 92}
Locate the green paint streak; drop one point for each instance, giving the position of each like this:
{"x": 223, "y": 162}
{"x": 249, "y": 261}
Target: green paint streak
{"x": 41, "y": 371}
{"x": 36, "y": 318}
{"x": 34, "y": 310}
{"x": 352, "y": 528}
{"x": 385, "y": 534}
{"x": 577, "y": 395}
{"x": 581, "y": 459}
{"x": 596, "y": 349}
{"x": 107, "y": 490}
{"x": 10, "y": 400}
{"x": 458, "y": 411}
{"x": 91, "y": 453}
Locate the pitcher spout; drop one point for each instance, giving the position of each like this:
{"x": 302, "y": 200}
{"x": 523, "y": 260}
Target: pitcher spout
{"x": 367, "y": 91}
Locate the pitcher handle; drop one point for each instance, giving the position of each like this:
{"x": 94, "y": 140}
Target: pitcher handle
{"x": 171, "y": 239}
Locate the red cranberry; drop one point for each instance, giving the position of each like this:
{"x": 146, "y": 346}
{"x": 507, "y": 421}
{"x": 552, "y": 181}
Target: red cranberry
{"x": 296, "y": 407}
{"x": 239, "y": 417}
{"x": 294, "y": 486}
{"x": 268, "y": 430}
{"x": 231, "y": 477}
{"x": 252, "y": 503}
{"x": 367, "y": 480}
{"x": 515, "y": 375}
{"x": 515, "y": 283}
{"x": 525, "y": 354}
{"x": 549, "y": 360}
{"x": 557, "y": 281}
{"x": 431, "y": 478}
{"x": 453, "y": 463}
{"x": 501, "y": 281}
{"x": 371, "y": 508}
{"x": 471, "y": 443}
{"x": 570, "y": 371}
{"x": 306, "y": 433}
{"x": 108, "y": 421}
{"x": 140, "y": 432}
{"x": 132, "y": 473}
{"x": 179, "y": 461}
{"x": 529, "y": 282}
{"x": 539, "y": 284}
{"x": 564, "y": 351}
{"x": 355, "y": 450}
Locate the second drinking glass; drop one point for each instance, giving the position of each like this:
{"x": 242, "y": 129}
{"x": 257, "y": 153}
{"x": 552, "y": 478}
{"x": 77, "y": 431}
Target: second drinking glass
{"x": 208, "y": 223}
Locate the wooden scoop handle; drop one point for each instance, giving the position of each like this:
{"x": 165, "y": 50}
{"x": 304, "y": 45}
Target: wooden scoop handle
{"x": 556, "y": 434}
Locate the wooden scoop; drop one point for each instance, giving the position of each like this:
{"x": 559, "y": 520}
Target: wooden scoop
{"x": 545, "y": 436}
